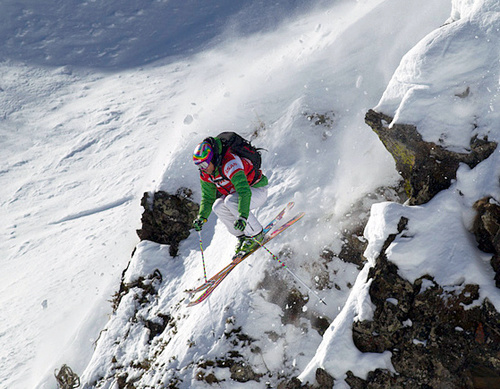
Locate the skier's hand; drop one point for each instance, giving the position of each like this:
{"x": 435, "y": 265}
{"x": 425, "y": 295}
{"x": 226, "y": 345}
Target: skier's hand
{"x": 240, "y": 224}
{"x": 198, "y": 223}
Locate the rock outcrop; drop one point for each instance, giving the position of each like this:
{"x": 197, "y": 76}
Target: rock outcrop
{"x": 439, "y": 337}
{"x": 426, "y": 168}
{"x": 167, "y": 218}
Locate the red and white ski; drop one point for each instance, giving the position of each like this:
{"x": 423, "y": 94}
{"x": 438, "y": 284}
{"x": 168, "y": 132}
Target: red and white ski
{"x": 212, "y": 284}
{"x": 266, "y": 230}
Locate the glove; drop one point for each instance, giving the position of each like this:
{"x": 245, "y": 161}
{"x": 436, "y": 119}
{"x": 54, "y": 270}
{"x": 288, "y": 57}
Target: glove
{"x": 240, "y": 224}
{"x": 198, "y": 223}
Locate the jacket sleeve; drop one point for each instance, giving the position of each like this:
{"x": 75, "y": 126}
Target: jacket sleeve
{"x": 242, "y": 187}
{"x": 208, "y": 197}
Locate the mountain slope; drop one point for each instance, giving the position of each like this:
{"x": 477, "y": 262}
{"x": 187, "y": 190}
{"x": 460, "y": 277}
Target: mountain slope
{"x": 83, "y": 144}
{"x": 238, "y": 314}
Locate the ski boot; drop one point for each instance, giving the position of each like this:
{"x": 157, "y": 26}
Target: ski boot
{"x": 250, "y": 244}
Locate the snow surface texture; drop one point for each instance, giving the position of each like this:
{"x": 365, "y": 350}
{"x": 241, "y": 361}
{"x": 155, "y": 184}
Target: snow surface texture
{"x": 98, "y": 109}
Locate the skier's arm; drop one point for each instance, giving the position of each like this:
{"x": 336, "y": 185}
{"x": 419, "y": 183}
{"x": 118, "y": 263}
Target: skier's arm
{"x": 208, "y": 196}
{"x": 240, "y": 183}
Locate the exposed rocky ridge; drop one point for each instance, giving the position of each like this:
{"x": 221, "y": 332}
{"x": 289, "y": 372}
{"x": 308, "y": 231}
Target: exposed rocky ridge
{"x": 426, "y": 168}
{"x": 440, "y": 337}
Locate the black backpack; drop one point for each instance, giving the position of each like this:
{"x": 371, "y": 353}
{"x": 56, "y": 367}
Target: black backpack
{"x": 238, "y": 145}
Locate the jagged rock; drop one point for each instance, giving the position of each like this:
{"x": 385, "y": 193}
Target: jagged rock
{"x": 324, "y": 380}
{"x": 320, "y": 323}
{"x": 167, "y": 218}
{"x": 487, "y": 225}
{"x": 294, "y": 303}
{"x": 486, "y": 229}
{"x": 148, "y": 286}
{"x": 377, "y": 380}
{"x": 439, "y": 336}
{"x": 242, "y": 372}
{"x": 353, "y": 248}
{"x": 426, "y": 168}
{"x": 294, "y": 383}
{"x": 157, "y": 326}
{"x": 121, "y": 381}
{"x": 354, "y": 243}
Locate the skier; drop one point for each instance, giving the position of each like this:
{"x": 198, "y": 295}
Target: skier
{"x": 241, "y": 187}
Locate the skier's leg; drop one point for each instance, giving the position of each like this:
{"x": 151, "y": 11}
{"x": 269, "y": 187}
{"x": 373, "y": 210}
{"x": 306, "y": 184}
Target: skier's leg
{"x": 226, "y": 208}
{"x": 226, "y": 215}
{"x": 259, "y": 197}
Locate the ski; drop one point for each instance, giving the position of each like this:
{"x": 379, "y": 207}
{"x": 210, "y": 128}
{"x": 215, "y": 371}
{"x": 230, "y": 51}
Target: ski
{"x": 238, "y": 259}
{"x": 266, "y": 230}
{"x": 278, "y": 217}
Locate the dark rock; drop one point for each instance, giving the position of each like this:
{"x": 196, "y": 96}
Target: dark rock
{"x": 354, "y": 243}
{"x": 324, "y": 380}
{"x": 157, "y": 326}
{"x": 486, "y": 226}
{"x": 242, "y": 372}
{"x": 211, "y": 379}
{"x": 495, "y": 264}
{"x": 148, "y": 286}
{"x": 320, "y": 324}
{"x": 167, "y": 218}
{"x": 294, "y": 383}
{"x": 377, "y": 379}
{"x": 294, "y": 303}
{"x": 121, "y": 381}
{"x": 486, "y": 229}
{"x": 426, "y": 168}
{"x": 353, "y": 248}
{"x": 439, "y": 337}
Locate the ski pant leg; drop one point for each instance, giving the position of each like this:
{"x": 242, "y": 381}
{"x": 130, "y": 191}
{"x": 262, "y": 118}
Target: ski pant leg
{"x": 226, "y": 209}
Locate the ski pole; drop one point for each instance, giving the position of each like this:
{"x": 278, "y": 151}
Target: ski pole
{"x": 202, "y": 257}
{"x": 289, "y": 271}
{"x": 205, "y": 275}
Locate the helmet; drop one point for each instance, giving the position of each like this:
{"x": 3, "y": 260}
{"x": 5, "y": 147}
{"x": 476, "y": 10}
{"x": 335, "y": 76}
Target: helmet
{"x": 203, "y": 154}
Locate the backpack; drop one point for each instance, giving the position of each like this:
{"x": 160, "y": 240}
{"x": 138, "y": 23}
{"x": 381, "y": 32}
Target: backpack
{"x": 241, "y": 147}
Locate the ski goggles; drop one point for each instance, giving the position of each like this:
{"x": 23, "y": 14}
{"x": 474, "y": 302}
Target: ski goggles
{"x": 203, "y": 165}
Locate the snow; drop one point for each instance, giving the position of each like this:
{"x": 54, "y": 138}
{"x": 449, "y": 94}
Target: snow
{"x": 337, "y": 341}
{"x": 460, "y": 262}
{"x": 456, "y": 88}
{"x": 100, "y": 102}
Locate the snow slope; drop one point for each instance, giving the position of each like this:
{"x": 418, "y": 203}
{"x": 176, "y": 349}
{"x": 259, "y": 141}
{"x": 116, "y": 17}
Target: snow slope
{"x": 110, "y": 103}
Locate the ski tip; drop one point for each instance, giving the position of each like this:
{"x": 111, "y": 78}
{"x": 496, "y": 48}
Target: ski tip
{"x": 192, "y": 303}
